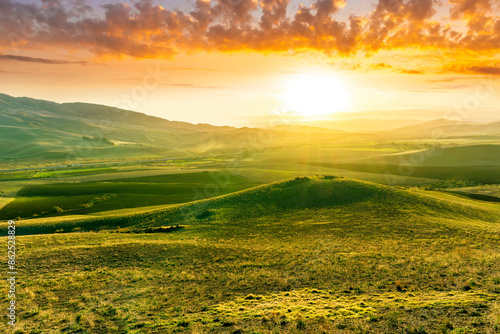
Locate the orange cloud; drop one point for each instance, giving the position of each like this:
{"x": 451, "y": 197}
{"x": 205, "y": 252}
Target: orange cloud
{"x": 147, "y": 30}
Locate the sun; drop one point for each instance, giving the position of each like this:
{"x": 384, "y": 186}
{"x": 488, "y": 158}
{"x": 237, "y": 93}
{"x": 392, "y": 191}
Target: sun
{"x": 316, "y": 94}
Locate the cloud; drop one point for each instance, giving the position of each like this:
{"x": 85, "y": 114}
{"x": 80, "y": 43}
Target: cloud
{"x": 406, "y": 71}
{"x": 384, "y": 66}
{"x": 449, "y": 79}
{"x": 468, "y": 8}
{"x": 145, "y": 30}
{"x": 40, "y": 60}
{"x": 481, "y": 68}
{"x": 485, "y": 70}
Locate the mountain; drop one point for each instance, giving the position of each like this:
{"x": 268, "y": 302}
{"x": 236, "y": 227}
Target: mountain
{"x": 41, "y": 129}
{"x": 38, "y": 132}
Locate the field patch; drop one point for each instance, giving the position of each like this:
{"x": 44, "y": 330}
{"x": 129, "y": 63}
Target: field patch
{"x": 482, "y": 174}
{"x": 315, "y": 303}
{"x": 89, "y": 197}
{"x": 74, "y": 172}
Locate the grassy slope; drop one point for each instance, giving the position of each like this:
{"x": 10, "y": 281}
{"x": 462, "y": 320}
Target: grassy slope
{"x": 304, "y": 256}
{"x": 280, "y": 171}
{"x": 37, "y": 131}
{"x": 481, "y": 174}
{"x": 488, "y": 190}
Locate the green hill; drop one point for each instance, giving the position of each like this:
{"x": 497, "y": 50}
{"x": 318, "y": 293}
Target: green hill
{"x": 296, "y": 196}
{"x": 305, "y": 255}
{"x": 40, "y": 131}
{"x": 46, "y": 130}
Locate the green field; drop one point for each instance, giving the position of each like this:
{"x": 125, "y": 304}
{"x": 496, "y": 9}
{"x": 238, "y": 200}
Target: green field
{"x": 16, "y": 176}
{"x": 483, "y": 174}
{"x": 307, "y": 255}
{"x": 87, "y": 197}
{"x": 80, "y": 171}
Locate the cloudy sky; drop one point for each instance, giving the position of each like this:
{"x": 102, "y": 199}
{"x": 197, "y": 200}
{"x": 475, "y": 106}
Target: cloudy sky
{"x": 239, "y": 62}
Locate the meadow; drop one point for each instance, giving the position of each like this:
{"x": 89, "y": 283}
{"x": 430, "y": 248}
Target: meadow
{"x": 318, "y": 238}
{"x": 304, "y": 255}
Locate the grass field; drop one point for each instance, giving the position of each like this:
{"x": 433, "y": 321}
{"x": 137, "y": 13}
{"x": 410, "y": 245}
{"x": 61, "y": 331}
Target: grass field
{"x": 16, "y": 176}
{"x": 264, "y": 244}
{"x": 81, "y": 171}
{"x": 88, "y": 197}
{"x": 488, "y": 190}
{"x": 482, "y": 174}
{"x": 307, "y": 255}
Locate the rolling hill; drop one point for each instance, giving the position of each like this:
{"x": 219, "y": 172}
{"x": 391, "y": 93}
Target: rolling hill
{"x": 304, "y": 255}
{"x": 33, "y": 130}
{"x": 295, "y": 195}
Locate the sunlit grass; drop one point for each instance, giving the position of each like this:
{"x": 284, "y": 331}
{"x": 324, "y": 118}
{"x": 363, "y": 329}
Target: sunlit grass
{"x": 350, "y": 257}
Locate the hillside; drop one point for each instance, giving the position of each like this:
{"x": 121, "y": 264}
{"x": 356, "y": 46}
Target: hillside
{"x": 37, "y": 130}
{"x": 291, "y": 196}
{"x": 41, "y": 129}
{"x": 305, "y": 255}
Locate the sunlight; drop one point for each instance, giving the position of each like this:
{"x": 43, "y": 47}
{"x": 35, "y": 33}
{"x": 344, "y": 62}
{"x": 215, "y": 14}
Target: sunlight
{"x": 316, "y": 94}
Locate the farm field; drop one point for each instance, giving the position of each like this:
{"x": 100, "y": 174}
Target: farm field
{"x": 83, "y": 171}
{"x": 488, "y": 190}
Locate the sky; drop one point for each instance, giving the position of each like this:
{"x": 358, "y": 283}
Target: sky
{"x": 255, "y": 62}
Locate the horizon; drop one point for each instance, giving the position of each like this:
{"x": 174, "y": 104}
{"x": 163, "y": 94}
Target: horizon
{"x": 292, "y": 120}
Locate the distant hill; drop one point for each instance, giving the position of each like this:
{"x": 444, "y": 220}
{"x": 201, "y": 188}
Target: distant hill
{"x": 305, "y": 129}
{"x": 365, "y": 124}
{"x": 41, "y": 129}
{"x": 37, "y": 129}
{"x": 37, "y": 132}
{"x": 445, "y": 128}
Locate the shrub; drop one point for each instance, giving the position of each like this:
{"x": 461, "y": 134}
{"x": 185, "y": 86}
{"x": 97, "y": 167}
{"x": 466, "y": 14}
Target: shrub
{"x": 56, "y": 209}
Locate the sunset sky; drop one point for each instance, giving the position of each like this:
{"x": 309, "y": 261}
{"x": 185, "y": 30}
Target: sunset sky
{"x": 242, "y": 62}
